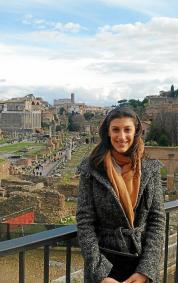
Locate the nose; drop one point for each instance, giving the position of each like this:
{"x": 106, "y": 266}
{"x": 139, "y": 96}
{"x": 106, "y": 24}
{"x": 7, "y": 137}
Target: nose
{"x": 121, "y": 135}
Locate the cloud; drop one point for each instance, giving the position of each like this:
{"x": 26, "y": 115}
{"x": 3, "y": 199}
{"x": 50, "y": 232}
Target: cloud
{"x": 105, "y": 95}
{"x": 52, "y": 26}
{"x": 121, "y": 67}
{"x": 118, "y": 61}
{"x": 89, "y": 96}
{"x": 155, "y": 26}
{"x": 69, "y": 27}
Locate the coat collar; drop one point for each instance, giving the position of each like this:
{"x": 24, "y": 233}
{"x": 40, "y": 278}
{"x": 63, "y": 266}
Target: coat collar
{"x": 148, "y": 167}
{"x": 146, "y": 173}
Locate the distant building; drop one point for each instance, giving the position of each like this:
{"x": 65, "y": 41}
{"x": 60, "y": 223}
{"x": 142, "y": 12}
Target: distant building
{"x": 47, "y": 116}
{"x": 95, "y": 109}
{"x": 78, "y": 108}
{"x": 19, "y": 114}
{"x": 65, "y": 101}
{"x": 69, "y": 105}
{"x": 163, "y": 102}
{"x": 72, "y": 98}
{"x": 14, "y": 120}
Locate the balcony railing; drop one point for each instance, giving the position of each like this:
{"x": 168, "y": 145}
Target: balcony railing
{"x": 47, "y": 238}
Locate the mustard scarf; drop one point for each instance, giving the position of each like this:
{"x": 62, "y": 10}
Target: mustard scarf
{"x": 127, "y": 182}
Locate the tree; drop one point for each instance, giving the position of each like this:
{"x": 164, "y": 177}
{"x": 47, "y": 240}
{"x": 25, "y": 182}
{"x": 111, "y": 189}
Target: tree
{"x": 88, "y": 115}
{"x": 144, "y": 102}
{"x": 172, "y": 90}
{"x": 164, "y": 129}
{"x": 137, "y": 105}
{"x": 76, "y": 122}
{"x": 62, "y": 111}
{"x": 163, "y": 140}
{"x": 45, "y": 125}
{"x": 58, "y": 128}
{"x": 122, "y": 102}
{"x": 176, "y": 93}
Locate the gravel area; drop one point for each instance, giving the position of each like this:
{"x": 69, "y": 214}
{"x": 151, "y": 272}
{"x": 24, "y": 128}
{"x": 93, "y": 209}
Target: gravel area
{"x": 34, "y": 266}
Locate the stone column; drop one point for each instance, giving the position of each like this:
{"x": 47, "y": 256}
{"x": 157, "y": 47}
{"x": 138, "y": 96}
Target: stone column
{"x": 170, "y": 172}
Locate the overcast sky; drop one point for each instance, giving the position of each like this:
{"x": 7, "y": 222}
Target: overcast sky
{"x": 102, "y": 50}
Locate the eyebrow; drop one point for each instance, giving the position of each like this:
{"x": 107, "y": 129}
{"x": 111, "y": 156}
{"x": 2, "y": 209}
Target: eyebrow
{"x": 127, "y": 126}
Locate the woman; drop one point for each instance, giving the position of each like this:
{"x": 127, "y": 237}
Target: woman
{"x": 120, "y": 214}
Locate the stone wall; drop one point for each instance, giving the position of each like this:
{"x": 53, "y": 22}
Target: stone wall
{"x": 36, "y": 179}
{"x": 169, "y": 157}
{"x": 20, "y": 120}
{"x": 52, "y": 204}
{"x": 68, "y": 190}
{"x": 4, "y": 169}
{"x": 48, "y": 204}
{"x": 7, "y": 183}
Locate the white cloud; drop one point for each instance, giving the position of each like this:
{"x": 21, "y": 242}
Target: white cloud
{"x": 69, "y": 27}
{"x": 51, "y": 25}
{"x": 119, "y": 61}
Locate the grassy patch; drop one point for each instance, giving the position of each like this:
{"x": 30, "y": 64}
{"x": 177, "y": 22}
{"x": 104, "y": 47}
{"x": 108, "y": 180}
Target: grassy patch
{"x": 70, "y": 204}
{"x": 163, "y": 172}
{"x": 71, "y": 165}
{"x": 67, "y": 220}
{"x": 2, "y": 160}
{"x": 35, "y": 151}
{"x": 3, "y": 141}
{"x": 15, "y": 148}
{"x": 78, "y": 155}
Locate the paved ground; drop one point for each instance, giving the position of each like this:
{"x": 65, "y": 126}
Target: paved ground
{"x": 49, "y": 167}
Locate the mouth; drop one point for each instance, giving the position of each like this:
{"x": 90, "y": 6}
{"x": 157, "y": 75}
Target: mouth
{"x": 122, "y": 144}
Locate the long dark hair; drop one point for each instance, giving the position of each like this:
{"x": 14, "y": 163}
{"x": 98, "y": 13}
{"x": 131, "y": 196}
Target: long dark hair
{"x": 97, "y": 155}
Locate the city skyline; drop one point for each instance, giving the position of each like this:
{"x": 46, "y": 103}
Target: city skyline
{"x": 102, "y": 50}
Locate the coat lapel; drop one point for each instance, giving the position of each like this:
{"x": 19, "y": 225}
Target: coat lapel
{"x": 103, "y": 180}
{"x": 145, "y": 176}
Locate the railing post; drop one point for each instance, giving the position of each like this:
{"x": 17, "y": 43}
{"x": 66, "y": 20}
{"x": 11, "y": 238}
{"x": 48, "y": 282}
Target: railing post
{"x": 166, "y": 248}
{"x": 68, "y": 261}
{"x": 8, "y": 232}
{"x": 176, "y": 272}
{"x": 46, "y": 264}
{"x": 21, "y": 267}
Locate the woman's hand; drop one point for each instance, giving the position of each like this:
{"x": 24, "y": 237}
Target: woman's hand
{"x": 109, "y": 280}
{"x": 136, "y": 278}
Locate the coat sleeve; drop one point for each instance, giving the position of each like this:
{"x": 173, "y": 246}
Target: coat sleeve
{"x": 155, "y": 229}
{"x": 96, "y": 263}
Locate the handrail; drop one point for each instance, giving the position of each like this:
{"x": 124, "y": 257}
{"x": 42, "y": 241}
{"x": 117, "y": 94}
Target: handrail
{"x": 171, "y": 205}
{"x": 38, "y": 239}
{"x": 69, "y": 232}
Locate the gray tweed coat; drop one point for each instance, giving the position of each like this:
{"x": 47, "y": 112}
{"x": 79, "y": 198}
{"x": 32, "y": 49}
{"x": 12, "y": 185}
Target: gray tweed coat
{"x": 101, "y": 221}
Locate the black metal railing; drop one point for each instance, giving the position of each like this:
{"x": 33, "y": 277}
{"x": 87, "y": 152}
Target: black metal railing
{"x": 43, "y": 239}
{"x": 170, "y": 207}
{"x": 68, "y": 233}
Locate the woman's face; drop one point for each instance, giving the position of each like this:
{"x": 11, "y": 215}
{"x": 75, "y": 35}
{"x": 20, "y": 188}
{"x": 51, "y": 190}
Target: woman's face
{"x": 121, "y": 133}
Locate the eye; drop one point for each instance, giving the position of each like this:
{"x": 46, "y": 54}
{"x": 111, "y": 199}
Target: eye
{"x": 115, "y": 130}
{"x": 128, "y": 130}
